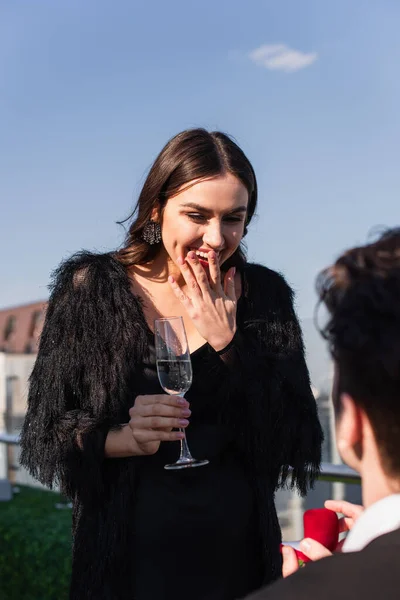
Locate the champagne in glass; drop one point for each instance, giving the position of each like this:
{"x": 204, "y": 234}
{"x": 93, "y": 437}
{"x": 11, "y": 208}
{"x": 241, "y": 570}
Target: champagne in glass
{"x": 174, "y": 370}
{"x": 175, "y": 375}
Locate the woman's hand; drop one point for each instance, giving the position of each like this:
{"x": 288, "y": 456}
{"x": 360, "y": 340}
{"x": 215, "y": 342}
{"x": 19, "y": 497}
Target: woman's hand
{"x": 152, "y": 419}
{"x": 314, "y": 550}
{"x": 211, "y": 306}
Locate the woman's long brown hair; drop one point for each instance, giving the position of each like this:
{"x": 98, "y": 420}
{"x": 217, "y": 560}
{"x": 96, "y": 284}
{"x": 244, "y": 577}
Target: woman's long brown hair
{"x": 191, "y": 155}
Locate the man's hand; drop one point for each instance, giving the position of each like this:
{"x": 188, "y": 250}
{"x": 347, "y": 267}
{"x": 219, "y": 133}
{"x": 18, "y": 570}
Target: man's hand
{"x": 314, "y": 550}
{"x": 310, "y": 548}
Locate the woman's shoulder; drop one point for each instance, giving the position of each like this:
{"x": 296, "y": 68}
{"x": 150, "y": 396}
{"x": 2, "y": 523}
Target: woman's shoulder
{"x": 90, "y": 283}
{"x": 86, "y": 267}
{"x": 258, "y": 278}
{"x": 266, "y": 294}
{"x": 87, "y": 259}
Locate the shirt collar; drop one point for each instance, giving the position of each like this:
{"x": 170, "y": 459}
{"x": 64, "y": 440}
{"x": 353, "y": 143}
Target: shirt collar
{"x": 380, "y": 518}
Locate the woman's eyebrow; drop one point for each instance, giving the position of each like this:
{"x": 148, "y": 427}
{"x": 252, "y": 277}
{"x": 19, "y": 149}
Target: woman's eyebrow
{"x": 239, "y": 209}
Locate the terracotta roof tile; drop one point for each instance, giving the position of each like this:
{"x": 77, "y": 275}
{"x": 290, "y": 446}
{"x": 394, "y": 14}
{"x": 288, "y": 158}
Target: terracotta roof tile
{"x": 20, "y": 327}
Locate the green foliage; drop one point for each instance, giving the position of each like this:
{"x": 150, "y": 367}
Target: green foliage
{"x": 35, "y": 547}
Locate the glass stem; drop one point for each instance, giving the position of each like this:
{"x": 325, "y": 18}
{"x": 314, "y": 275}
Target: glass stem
{"x": 185, "y": 452}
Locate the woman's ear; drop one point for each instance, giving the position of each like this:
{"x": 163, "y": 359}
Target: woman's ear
{"x": 156, "y": 212}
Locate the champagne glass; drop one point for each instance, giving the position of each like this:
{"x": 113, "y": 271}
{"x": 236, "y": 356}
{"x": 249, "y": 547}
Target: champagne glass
{"x": 174, "y": 370}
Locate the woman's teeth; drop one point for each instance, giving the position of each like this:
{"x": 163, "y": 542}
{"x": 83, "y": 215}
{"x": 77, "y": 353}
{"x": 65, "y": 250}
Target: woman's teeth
{"x": 203, "y": 255}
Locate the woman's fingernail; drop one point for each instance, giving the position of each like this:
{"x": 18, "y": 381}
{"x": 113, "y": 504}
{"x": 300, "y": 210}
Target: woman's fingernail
{"x": 180, "y": 260}
{"x": 181, "y": 401}
{"x": 171, "y": 279}
{"x": 191, "y": 254}
{"x": 183, "y": 422}
{"x": 285, "y": 550}
{"x": 179, "y": 435}
{"x": 305, "y": 544}
{"x": 186, "y": 412}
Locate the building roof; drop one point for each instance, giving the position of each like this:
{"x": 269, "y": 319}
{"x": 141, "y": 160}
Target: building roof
{"x": 20, "y": 327}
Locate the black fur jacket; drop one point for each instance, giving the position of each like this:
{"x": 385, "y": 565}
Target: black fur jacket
{"x": 83, "y": 383}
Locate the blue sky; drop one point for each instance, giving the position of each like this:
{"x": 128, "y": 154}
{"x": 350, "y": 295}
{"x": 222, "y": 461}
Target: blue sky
{"x": 91, "y": 90}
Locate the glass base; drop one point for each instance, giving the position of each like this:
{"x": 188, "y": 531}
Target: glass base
{"x": 186, "y": 463}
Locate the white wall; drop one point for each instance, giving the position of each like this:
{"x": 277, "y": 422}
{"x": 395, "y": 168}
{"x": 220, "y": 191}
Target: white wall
{"x": 20, "y": 367}
{"x": 2, "y": 409}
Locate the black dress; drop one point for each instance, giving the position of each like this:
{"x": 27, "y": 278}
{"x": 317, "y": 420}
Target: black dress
{"x": 256, "y": 422}
{"x": 196, "y": 525}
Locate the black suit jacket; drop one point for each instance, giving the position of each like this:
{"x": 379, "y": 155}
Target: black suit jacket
{"x": 371, "y": 574}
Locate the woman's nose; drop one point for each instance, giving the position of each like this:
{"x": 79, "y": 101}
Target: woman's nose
{"x": 214, "y": 237}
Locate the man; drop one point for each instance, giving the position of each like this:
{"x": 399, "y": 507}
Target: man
{"x": 362, "y": 294}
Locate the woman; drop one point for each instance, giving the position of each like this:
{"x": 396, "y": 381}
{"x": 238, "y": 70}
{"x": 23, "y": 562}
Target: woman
{"x": 99, "y": 424}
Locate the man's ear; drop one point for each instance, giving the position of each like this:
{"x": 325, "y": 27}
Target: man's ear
{"x": 349, "y": 431}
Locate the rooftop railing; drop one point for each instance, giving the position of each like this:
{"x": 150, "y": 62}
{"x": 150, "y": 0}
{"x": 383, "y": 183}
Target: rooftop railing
{"x": 9, "y": 438}
{"x": 329, "y": 471}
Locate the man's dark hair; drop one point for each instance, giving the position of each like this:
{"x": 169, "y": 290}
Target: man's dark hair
{"x": 362, "y": 294}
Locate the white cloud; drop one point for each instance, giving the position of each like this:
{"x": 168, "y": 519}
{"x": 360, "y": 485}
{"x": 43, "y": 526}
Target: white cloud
{"x": 279, "y": 57}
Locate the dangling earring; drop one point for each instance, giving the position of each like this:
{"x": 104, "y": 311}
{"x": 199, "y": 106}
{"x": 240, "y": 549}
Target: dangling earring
{"x": 152, "y": 233}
